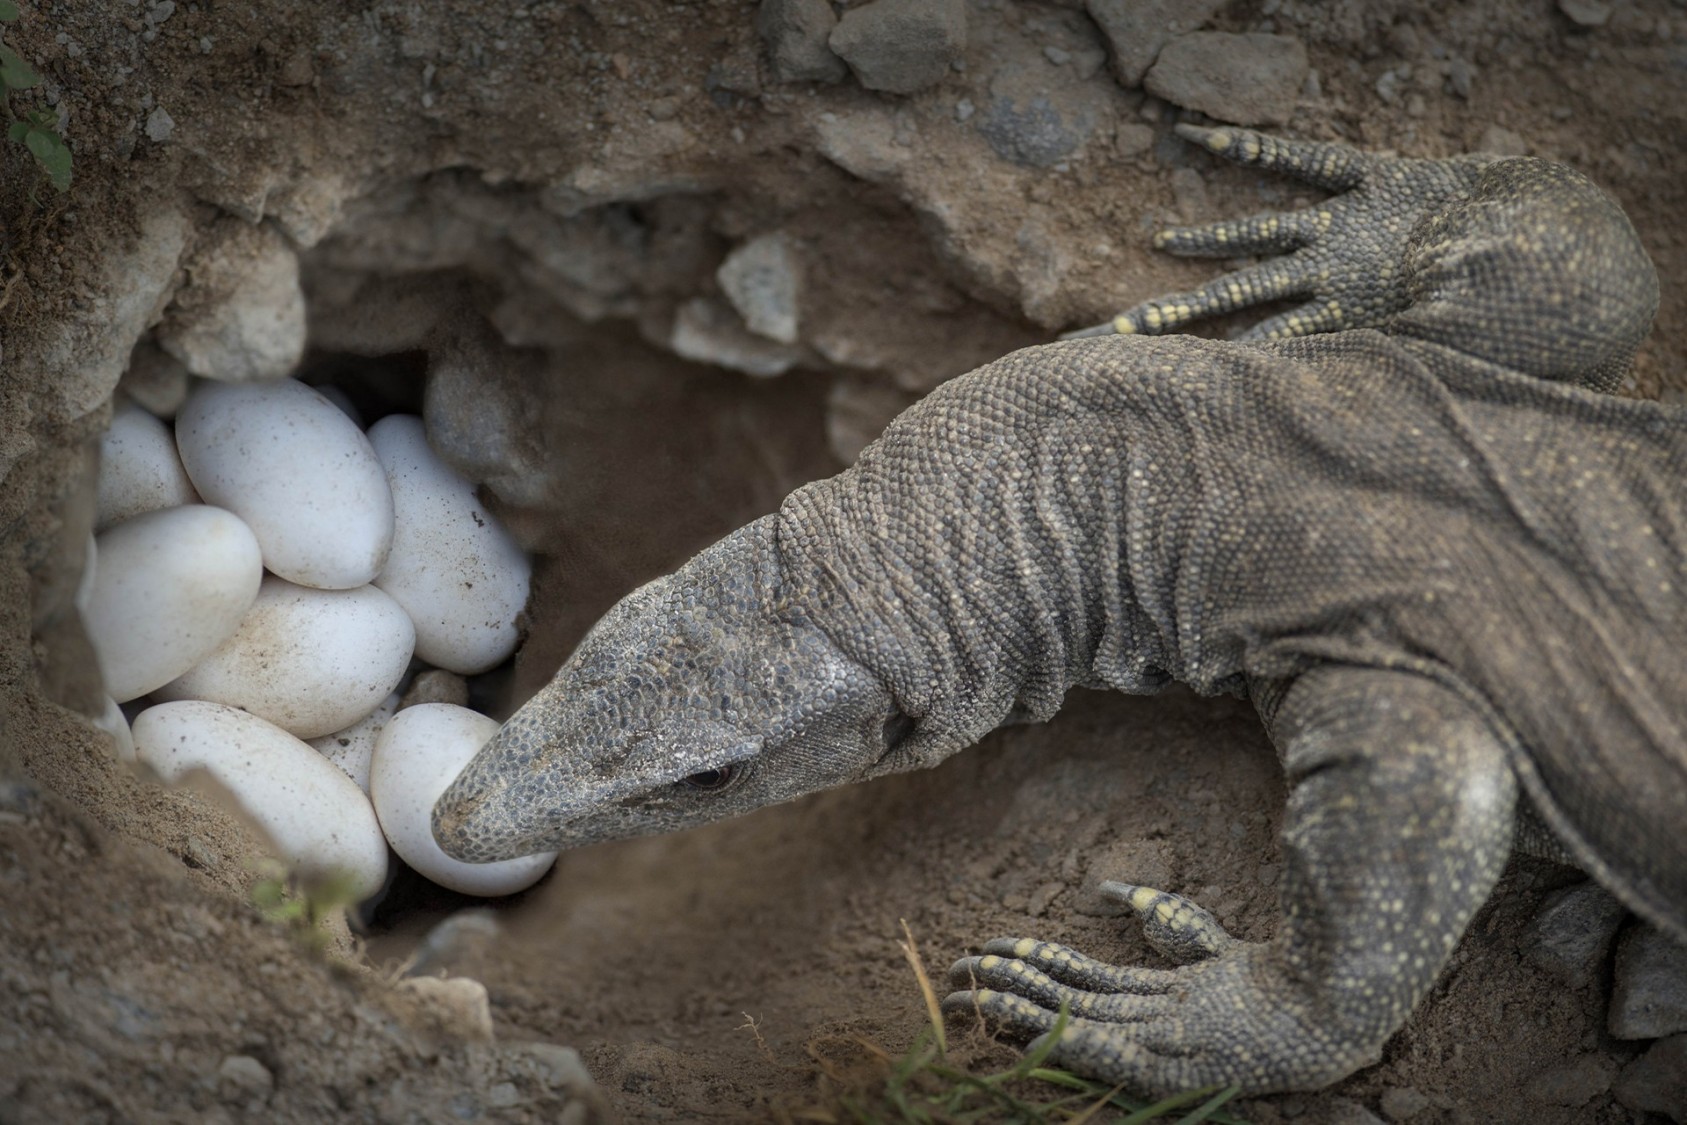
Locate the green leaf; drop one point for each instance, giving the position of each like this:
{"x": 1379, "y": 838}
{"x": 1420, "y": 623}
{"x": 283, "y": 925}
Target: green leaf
{"x": 8, "y": 11}
{"x": 18, "y": 130}
{"x": 15, "y": 74}
{"x": 52, "y": 154}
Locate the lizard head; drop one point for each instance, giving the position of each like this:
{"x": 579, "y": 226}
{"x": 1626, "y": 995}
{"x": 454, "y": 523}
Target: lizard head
{"x": 700, "y": 696}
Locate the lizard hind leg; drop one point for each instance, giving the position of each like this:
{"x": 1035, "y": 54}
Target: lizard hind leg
{"x": 1399, "y": 821}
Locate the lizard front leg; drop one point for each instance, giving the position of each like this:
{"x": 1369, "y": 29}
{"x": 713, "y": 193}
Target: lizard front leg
{"x": 1342, "y": 257}
{"x": 1398, "y": 825}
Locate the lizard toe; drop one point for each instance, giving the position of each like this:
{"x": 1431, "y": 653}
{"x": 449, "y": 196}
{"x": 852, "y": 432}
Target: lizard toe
{"x": 1011, "y": 976}
{"x": 1179, "y": 930}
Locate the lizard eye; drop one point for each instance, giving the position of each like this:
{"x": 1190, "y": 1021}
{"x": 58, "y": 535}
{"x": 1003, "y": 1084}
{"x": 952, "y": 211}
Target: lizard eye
{"x": 711, "y": 780}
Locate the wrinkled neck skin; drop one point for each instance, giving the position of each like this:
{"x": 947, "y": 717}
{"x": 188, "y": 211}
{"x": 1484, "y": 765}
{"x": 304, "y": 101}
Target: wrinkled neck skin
{"x": 977, "y": 560}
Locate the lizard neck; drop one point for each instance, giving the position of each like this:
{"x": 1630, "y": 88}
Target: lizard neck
{"x": 976, "y": 560}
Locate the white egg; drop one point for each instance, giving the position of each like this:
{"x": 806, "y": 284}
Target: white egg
{"x": 319, "y": 821}
{"x": 298, "y": 471}
{"x": 421, "y": 751}
{"x": 140, "y": 470}
{"x": 352, "y": 749}
{"x": 170, "y": 587}
{"x": 456, "y": 570}
{"x": 310, "y": 661}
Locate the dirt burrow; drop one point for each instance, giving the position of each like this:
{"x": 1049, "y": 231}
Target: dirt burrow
{"x": 536, "y": 198}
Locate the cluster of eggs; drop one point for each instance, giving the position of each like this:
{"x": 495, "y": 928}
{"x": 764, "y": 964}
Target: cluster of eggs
{"x": 264, "y": 579}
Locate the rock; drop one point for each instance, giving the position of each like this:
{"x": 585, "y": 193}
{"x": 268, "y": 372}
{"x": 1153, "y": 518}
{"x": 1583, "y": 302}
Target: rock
{"x": 155, "y": 379}
{"x": 901, "y": 46}
{"x": 1649, "y": 996}
{"x": 241, "y": 317}
{"x": 1248, "y": 79}
{"x": 760, "y": 279}
{"x": 455, "y": 1007}
{"x": 1500, "y": 141}
{"x": 242, "y": 1078}
{"x": 1571, "y": 934}
{"x": 1572, "y": 1083}
{"x": 435, "y": 685}
{"x": 1132, "y": 139}
{"x": 1136, "y": 30}
{"x": 1341, "y": 1111}
{"x": 1656, "y": 1082}
{"x": 477, "y": 407}
{"x": 1034, "y": 133}
{"x": 708, "y": 331}
{"x": 796, "y": 32}
{"x": 462, "y": 937}
{"x": 159, "y": 125}
{"x": 1586, "y": 13}
{"x": 86, "y": 349}
{"x": 1402, "y": 1103}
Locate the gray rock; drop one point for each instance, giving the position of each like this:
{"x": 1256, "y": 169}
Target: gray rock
{"x": 1500, "y": 141}
{"x": 1572, "y": 933}
{"x": 1572, "y": 1083}
{"x": 241, "y": 317}
{"x": 901, "y": 46}
{"x": 435, "y": 685}
{"x": 1656, "y": 1082}
{"x": 1136, "y": 30}
{"x": 707, "y": 330}
{"x": 1341, "y": 1111}
{"x": 760, "y": 279}
{"x": 1402, "y": 1103}
{"x": 1586, "y": 13}
{"x": 159, "y": 125}
{"x": 1033, "y": 133}
{"x": 155, "y": 379}
{"x": 476, "y": 405}
{"x": 242, "y": 1078}
{"x": 795, "y": 32}
{"x": 1649, "y": 998}
{"x": 1248, "y": 79}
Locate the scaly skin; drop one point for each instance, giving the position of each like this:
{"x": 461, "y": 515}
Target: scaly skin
{"x": 1449, "y": 572}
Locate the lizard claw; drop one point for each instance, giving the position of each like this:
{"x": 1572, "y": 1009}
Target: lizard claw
{"x": 1237, "y": 1017}
{"x": 1341, "y": 258}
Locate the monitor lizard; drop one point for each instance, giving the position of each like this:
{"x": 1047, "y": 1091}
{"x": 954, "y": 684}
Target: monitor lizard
{"x": 1406, "y": 518}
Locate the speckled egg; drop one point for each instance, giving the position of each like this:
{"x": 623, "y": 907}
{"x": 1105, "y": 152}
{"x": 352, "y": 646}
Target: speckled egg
{"x": 310, "y": 661}
{"x": 457, "y": 571}
{"x": 301, "y": 473}
{"x": 319, "y": 821}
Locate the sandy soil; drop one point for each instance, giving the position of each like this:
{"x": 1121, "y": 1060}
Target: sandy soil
{"x": 573, "y": 174}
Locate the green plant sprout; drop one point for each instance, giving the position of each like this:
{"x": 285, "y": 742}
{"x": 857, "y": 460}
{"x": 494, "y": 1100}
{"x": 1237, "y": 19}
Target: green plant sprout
{"x": 36, "y": 130}
{"x": 924, "y": 1088}
{"x": 299, "y": 906}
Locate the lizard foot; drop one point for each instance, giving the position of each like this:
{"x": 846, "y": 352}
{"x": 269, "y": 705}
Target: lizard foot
{"x": 1341, "y": 256}
{"x": 1235, "y": 1018}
